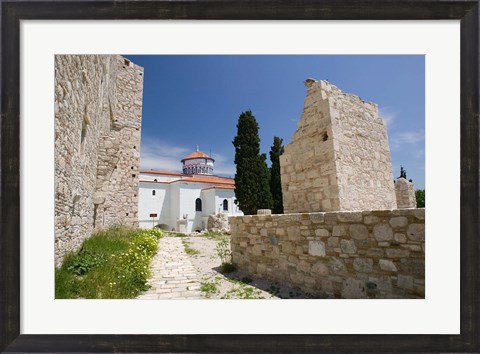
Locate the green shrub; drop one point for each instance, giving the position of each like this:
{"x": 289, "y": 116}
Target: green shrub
{"x": 420, "y": 197}
{"x": 227, "y": 268}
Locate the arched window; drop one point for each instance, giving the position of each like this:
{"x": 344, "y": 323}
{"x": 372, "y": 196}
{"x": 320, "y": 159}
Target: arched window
{"x": 153, "y": 192}
{"x": 198, "y": 204}
{"x": 225, "y": 205}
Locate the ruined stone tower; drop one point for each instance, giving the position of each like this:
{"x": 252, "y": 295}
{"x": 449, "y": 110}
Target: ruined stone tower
{"x": 339, "y": 158}
{"x": 405, "y": 193}
{"x": 98, "y": 110}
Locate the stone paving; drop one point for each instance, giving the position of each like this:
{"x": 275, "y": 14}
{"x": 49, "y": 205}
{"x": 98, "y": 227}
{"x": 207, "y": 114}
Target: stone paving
{"x": 174, "y": 276}
{"x": 177, "y": 275}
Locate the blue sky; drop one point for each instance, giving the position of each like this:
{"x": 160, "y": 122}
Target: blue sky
{"x": 192, "y": 100}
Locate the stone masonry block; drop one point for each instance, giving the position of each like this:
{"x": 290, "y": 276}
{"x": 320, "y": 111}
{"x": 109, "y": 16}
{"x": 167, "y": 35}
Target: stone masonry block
{"x": 416, "y": 232}
{"x": 339, "y": 230}
{"x": 398, "y": 222}
{"x": 316, "y": 248}
{"x": 358, "y": 232}
{"x": 348, "y": 246}
{"x": 388, "y": 265}
{"x": 383, "y": 232}
{"x": 364, "y": 265}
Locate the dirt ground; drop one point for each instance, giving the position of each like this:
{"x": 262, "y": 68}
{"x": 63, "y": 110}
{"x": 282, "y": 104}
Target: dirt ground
{"x": 235, "y": 285}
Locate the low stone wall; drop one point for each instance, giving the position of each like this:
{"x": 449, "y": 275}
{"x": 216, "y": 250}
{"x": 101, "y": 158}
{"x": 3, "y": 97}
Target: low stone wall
{"x": 368, "y": 254}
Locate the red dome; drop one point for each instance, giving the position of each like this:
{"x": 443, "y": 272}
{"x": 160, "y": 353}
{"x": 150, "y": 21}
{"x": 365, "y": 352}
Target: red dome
{"x": 197, "y": 155}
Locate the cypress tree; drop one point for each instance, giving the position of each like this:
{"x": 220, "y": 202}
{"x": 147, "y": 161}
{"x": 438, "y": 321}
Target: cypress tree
{"x": 252, "y": 188}
{"x": 275, "y": 179}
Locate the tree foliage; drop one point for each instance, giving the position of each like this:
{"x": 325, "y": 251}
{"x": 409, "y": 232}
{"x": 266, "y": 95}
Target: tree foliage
{"x": 420, "y": 197}
{"x": 252, "y": 188}
{"x": 276, "y": 150}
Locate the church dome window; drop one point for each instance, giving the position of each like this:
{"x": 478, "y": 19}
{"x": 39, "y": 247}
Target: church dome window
{"x": 225, "y": 205}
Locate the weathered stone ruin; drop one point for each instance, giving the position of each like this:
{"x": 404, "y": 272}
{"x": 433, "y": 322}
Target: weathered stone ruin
{"x": 339, "y": 157}
{"x": 342, "y": 235}
{"x": 405, "y": 194}
{"x": 218, "y": 223}
{"x": 98, "y": 110}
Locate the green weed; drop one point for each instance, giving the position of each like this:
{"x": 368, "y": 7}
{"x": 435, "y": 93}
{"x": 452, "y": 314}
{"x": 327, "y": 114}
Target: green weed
{"x": 273, "y": 290}
{"x": 226, "y": 268}
{"x": 243, "y": 292}
{"x": 215, "y": 235}
{"x": 188, "y": 249}
{"x": 223, "y": 250}
{"x": 209, "y": 288}
{"x": 176, "y": 234}
{"x": 246, "y": 280}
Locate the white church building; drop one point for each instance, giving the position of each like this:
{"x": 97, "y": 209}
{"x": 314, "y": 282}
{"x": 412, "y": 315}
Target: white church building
{"x": 183, "y": 201}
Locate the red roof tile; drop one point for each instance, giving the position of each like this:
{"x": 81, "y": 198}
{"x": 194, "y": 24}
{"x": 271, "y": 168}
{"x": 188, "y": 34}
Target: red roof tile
{"x": 197, "y": 155}
{"x": 219, "y": 187}
{"x": 153, "y": 172}
{"x": 209, "y": 179}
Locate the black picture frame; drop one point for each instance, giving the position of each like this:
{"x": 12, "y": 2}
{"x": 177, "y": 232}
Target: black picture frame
{"x": 12, "y": 12}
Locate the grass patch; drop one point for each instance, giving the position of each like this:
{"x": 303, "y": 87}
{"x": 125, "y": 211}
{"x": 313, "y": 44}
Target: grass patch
{"x": 113, "y": 264}
{"x": 188, "y": 249}
{"x": 214, "y": 235}
{"x": 243, "y": 292}
{"x": 209, "y": 288}
{"x": 177, "y": 234}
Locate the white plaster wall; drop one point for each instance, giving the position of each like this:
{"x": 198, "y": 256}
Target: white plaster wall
{"x": 160, "y": 178}
{"x": 174, "y": 204}
{"x": 199, "y": 162}
{"x": 189, "y": 192}
{"x": 154, "y": 204}
{"x": 175, "y": 199}
{"x": 229, "y": 194}
{"x": 208, "y": 196}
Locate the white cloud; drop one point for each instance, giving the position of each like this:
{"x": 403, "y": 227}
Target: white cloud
{"x": 388, "y": 114}
{"x": 223, "y": 166}
{"x": 419, "y": 154}
{"x": 160, "y": 156}
{"x": 400, "y": 139}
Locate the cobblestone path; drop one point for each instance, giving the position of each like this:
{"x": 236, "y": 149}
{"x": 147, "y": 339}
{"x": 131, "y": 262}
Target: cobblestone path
{"x": 174, "y": 276}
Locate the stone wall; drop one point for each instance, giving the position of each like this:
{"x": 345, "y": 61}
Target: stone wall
{"x": 98, "y": 107}
{"x": 339, "y": 158}
{"x": 405, "y": 193}
{"x": 368, "y": 254}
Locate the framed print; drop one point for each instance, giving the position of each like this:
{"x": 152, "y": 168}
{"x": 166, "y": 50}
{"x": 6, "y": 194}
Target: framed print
{"x": 438, "y": 313}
